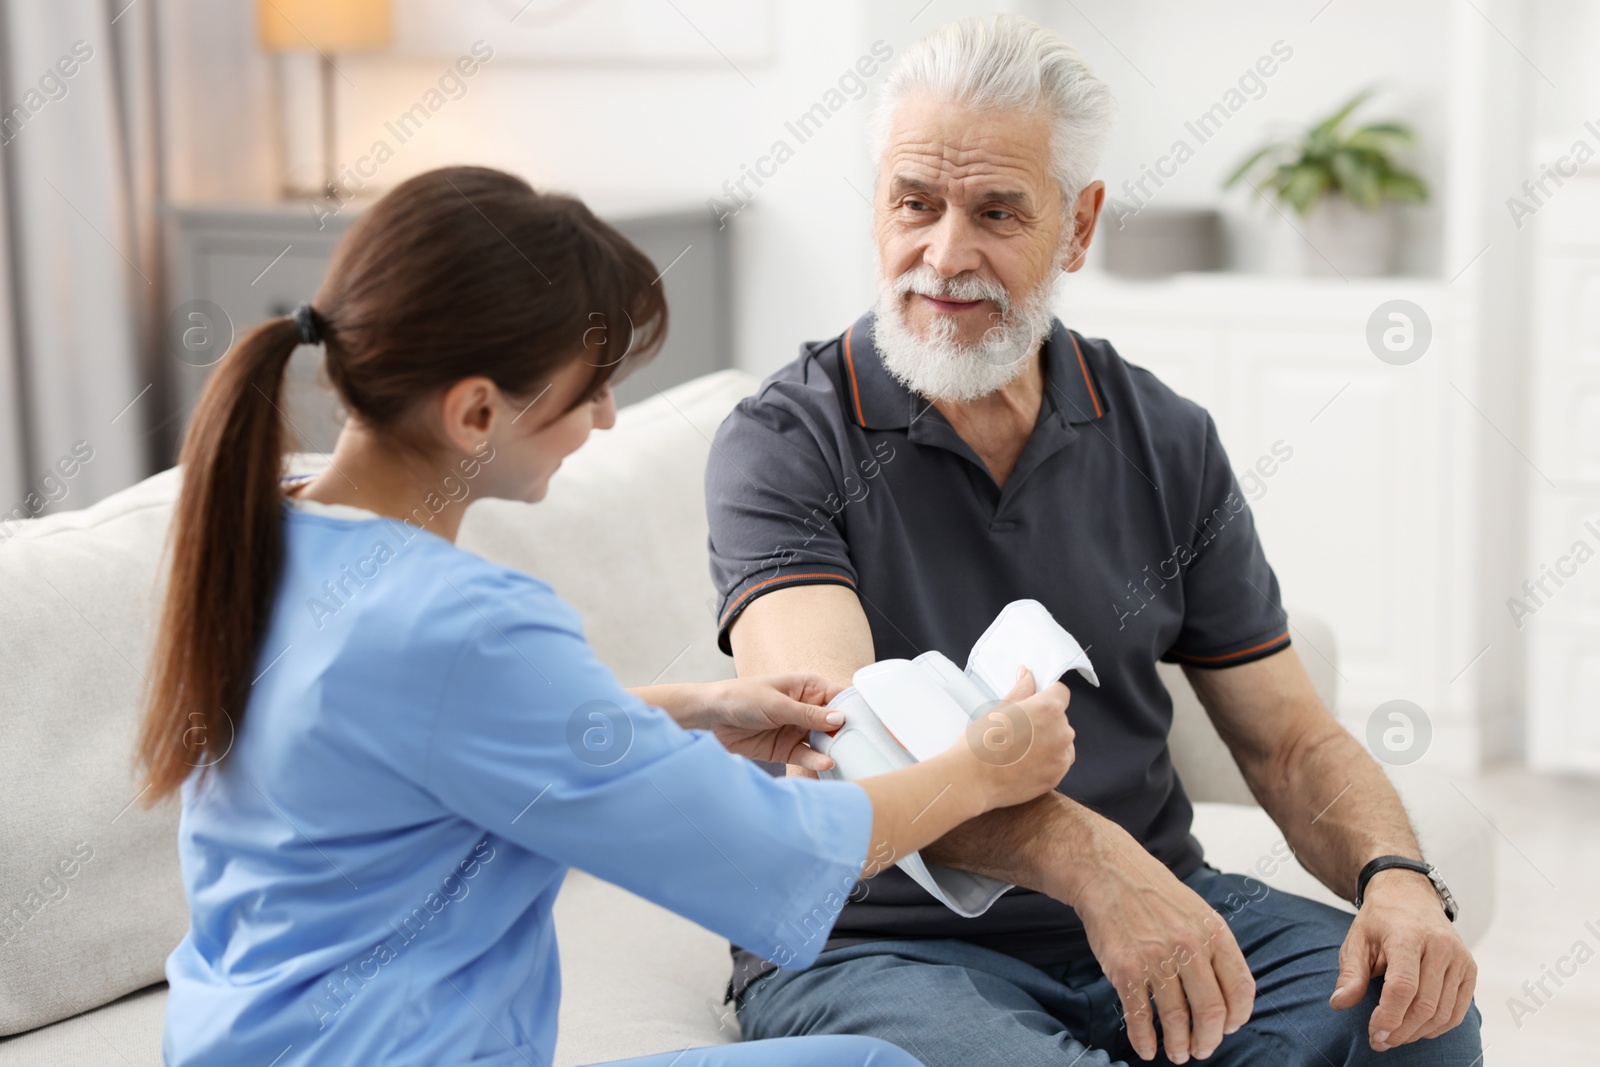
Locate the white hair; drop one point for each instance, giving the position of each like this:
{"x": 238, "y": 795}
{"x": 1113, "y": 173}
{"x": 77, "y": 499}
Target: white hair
{"x": 1008, "y": 62}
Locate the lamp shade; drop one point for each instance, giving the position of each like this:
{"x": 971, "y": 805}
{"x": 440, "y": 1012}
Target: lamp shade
{"x": 322, "y": 25}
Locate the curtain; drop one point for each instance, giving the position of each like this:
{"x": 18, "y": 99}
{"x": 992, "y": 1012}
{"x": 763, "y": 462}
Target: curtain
{"x": 83, "y": 385}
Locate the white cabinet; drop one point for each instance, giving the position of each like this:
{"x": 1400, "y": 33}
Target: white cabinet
{"x": 1365, "y": 524}
{"x": 1562, "y": 595}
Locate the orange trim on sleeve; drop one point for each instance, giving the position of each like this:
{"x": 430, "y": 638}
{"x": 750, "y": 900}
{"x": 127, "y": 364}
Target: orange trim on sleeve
{"x": 1233, "y": 655}
{"x": 1098, "y": 411}
{"x": 855, "y": 390}
{"x": 780, "y": 578}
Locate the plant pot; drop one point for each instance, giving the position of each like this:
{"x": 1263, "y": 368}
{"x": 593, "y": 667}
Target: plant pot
{"x": 1342, "y": 238}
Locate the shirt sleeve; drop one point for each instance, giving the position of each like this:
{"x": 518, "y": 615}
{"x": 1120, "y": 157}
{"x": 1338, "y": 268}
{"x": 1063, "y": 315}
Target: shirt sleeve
{"x": 1232, "y": 610}
{"x": 535, "y": 740}
{"x": 773, "y": 501}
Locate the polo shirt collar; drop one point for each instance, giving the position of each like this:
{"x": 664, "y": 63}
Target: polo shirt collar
{"x": 878, "y": 402}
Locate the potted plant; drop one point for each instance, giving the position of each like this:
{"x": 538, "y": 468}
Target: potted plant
{"x": 1343, "y": 184}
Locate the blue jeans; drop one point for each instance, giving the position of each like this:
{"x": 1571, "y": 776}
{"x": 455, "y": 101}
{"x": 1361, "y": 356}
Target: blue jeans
{"x": 954, "y": 1004}
{"x": 782, "y": 1052}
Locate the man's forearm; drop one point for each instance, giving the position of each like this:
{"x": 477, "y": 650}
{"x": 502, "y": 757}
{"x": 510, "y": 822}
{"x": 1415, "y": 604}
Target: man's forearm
{"x": 1336, "y": 807}
{"x": 1333, "y": 802}
{"x": 1050, "y": 844}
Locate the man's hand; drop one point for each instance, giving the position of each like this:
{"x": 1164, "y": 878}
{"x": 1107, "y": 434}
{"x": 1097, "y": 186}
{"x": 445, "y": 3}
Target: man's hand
{"x": 1156, "y": 938}
{"x": 1402, "y": 934}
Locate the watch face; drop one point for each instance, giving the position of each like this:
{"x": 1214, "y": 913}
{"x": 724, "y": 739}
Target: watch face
{"x": 1446, "y": 897}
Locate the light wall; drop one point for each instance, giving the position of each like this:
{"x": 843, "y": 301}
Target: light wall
{"x": 1168, "y": 63}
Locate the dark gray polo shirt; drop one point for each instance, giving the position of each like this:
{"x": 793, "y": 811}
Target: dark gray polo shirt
{"x": 1121, "y": 516}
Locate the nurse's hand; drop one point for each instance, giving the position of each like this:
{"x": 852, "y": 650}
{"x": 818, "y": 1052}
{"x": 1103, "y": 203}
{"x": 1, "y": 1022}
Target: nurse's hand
{"x": 1023, "y": 745}
{"x": 767, "y": 717}
{"x": 770, "y": 717}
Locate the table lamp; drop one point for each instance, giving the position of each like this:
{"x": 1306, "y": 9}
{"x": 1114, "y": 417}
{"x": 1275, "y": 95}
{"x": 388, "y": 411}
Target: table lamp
{"x": 324, "y": 27}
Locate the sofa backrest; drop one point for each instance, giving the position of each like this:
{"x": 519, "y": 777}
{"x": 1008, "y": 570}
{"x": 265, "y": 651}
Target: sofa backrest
{"x": 89, "y": 885}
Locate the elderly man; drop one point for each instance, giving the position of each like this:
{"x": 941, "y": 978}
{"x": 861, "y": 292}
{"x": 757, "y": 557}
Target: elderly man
{"x": 958, "y": 448}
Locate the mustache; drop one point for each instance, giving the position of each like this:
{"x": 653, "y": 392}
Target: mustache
{"x": 966, "y": 286}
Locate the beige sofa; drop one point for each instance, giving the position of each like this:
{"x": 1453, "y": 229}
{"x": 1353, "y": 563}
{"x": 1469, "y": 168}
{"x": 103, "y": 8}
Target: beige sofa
{"x": 622, "y": 536}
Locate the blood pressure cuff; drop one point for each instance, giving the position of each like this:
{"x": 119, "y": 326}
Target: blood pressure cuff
{"x": 900, "y": 712}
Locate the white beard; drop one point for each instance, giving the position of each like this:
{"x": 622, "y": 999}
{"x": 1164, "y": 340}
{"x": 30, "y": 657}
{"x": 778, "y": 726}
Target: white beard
{"x": 942, "y": 367}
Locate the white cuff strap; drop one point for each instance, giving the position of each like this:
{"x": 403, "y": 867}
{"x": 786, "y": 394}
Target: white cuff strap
{"x": 900, "y": 712}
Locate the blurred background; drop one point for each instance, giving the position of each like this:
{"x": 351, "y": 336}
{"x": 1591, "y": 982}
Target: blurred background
{"x": 1393, "y": 313}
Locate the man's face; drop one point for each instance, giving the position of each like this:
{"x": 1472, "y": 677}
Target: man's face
{"x": 968, "y": 195}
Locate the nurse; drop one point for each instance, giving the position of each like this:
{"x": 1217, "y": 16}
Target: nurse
{"x": 389, "y": 750}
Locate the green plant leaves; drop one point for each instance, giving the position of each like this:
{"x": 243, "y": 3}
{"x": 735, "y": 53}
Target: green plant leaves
{"x": 1255, "y": 157}
{"x": 1380, "y": 136}
{"x": 1302, "y": 185}
{"x": 1400, "y": 185}
{"x": 1327, "y": 161}
{"x": 1358, "y": 174}
{"x": 1330, "y": 125}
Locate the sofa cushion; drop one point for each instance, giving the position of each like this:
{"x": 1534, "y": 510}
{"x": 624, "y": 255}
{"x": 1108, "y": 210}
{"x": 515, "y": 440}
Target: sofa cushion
{"x": 126, "y": 1033}
{"x": 89, "y": 882}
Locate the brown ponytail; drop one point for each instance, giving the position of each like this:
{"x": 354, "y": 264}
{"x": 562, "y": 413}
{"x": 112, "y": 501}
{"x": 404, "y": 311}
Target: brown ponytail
{"x": 458, "y": 272}
{"x": 225, "y": 546}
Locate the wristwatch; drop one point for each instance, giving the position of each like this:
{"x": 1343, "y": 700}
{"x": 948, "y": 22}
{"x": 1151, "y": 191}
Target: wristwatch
{"x": 1383, "y": 863}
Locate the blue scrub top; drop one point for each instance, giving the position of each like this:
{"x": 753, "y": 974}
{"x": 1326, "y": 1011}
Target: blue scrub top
{"x": 429, "y": 745}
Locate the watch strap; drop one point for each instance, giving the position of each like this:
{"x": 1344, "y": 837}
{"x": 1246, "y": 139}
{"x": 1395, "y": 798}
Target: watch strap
{"x": 1384, "y": 863}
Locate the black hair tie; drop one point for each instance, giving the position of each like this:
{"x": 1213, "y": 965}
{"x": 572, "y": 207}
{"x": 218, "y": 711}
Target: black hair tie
{"x": 306, "y": 319}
